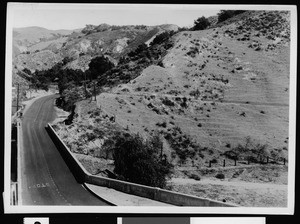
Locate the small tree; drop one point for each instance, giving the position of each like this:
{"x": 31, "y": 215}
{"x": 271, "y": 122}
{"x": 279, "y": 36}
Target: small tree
{"x": 201, "y": 23}
{"x": 160, "y": 38}
{"x": 62, "y": 83}
{"x": 27, "y": 71}
{"x": 140, "y": 161}
{"x": 99, "y": 65}
{"x": 226, "y": 14}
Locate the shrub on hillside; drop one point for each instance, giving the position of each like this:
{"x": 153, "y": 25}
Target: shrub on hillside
{"x": 142, "y": 48}
{"x": 201, "y": 23}
{"x": 163, "y": 124}
{"x": 160, "y": 38}
{"x": 220, "y": 176}
{"x": 183, "y": 145}
{"x": 193, "y": 175}
{"x": 226, "y": 14}
{"x": 195, "y": 93}
{"x": 27, "y": 71}
{"x": 139, "y": 161}
{"x": 99, "y": 65}
{"x": 248, "y": 150}
{"x": 167, "y": 102}
{"x": 66, "y": 60}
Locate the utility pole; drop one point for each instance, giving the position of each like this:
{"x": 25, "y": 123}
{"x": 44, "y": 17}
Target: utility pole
{"x": 85, "y": 85}
{"x": 95, "y": 90}
{"x": 161, "y": 148}
{"x": 18, "y": 89}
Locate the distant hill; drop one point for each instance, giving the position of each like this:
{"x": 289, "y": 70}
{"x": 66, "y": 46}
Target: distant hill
{"x": 34, "y": 34}
{"x": 33, "y": 44}
{"x": 25, "y": 38}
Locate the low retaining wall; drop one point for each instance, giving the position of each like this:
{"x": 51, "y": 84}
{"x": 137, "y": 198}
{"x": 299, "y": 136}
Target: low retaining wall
{"x": 153, "y": 193}
{"x": 75, "y": 166}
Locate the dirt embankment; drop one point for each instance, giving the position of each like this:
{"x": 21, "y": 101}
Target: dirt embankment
{"x": 250, "y": 186}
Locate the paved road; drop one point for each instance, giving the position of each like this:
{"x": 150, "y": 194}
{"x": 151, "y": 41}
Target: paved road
{"x": 45, "y": 178}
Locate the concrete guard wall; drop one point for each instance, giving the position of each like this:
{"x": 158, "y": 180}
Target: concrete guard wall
{"x": 74, "y": 165}
{"x": 153, "y": 193}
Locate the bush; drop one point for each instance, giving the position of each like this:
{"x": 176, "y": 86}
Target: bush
{"x": 139, "y": 161}
{"x": 195, "y": 93}
{"x": 99, "y": 65}
{"x": 226, "y": 14}
{"x": 168, "y": 102}
{"x": 160, "y": 38}
{"x": 250, "y": 150}
{"x": 201, "y": 23}
{"x": 163, "y": 124}
{"x": 220, "y": 176}
{"x": 193, "y": 175}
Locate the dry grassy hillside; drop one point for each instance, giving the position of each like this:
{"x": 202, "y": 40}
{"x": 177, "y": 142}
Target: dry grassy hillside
{"x": 35, "y": 44}
{"x": 25, "y": 39}
{"x": 215, "y": 89}
{"x": 232, "y": 91}
{"x": 36, "y": 61}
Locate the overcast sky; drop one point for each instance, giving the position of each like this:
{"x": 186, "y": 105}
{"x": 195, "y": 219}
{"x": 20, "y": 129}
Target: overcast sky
{"x": 66, "y": 16}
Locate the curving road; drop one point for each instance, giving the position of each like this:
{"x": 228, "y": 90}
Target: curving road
{"x": 44, "y": 177}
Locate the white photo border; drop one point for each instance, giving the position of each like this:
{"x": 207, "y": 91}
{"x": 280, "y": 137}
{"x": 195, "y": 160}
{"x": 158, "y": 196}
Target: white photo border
{"x": 8, "y": 208}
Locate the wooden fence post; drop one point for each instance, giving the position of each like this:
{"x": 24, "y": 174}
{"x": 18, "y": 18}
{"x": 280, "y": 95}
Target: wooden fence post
{"x": 283, "y": 161}
{"x": 260, "y": 159}
{"x": 234, "y": 162}
{"x": 224, "y": 163}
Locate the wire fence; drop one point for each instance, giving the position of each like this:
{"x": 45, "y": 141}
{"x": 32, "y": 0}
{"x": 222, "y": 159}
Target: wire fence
{"x": 258, "y": 159}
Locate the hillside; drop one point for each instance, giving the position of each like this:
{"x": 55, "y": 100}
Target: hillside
{"x": 232, "y": 91}
{"x": 34, "y": 44}
{"x": 212, "y": 95}
{"x": 25, "y": 38}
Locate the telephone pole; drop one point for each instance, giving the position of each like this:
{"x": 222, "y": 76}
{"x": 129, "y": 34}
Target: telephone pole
{"x": 95, "y": 91}
{"x": 18, "y": 89}
{"x": 85, "y": 85}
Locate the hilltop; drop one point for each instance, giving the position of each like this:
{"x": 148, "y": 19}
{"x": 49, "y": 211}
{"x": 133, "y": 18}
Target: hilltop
{"x": 24, "y": 39}
{"x": 37, "y": 48}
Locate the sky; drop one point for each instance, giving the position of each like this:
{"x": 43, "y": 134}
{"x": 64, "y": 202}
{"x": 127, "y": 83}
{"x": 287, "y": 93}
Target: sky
{"x": 73, "y": 16}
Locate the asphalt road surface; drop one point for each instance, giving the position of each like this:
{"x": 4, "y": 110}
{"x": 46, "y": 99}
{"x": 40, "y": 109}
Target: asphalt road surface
{"x": 45, "y": 178}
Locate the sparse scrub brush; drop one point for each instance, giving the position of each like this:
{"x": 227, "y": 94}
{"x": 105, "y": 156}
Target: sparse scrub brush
{"x": 226, "y": 14}
{"x": 249, "y": 150}
{"x": 168, "y": 102}
{"x": 195, "y": 93}
{"x": 163, "y": 124}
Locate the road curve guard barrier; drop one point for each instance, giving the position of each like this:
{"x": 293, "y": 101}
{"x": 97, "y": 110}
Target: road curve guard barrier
{"x": 153, "y": 193}
{"x": 74, "y": 165}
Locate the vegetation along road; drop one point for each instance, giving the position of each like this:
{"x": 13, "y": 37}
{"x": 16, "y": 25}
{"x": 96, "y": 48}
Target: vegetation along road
{"x": 45, "y": 178}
